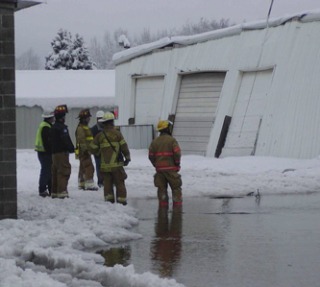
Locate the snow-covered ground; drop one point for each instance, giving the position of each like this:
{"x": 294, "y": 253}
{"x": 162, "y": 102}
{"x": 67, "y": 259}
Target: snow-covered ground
{"x": 49, "y": 245}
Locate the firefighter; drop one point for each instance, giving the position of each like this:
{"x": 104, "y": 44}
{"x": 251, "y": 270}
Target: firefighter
{"x": 83, "y": 139}
{"x": 97, "y": 128}
{"x": 43, "y": 149}
{"x": 165, "y": 156}
{"x": 62, "y": 146}
{"x": 114, "y": 154}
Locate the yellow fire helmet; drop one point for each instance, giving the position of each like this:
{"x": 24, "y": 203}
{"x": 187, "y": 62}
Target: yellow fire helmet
{"x": 163, "y": 124}
{"x": 106, "y": 117}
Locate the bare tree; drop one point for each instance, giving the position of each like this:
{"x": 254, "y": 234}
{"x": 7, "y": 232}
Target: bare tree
{"x": 202, "y": 26}
{"x": 102, "y": 54}
{"x": 98, "y": 54}
{"x": 110, "y": 47}
{"x": 28, "y": 61}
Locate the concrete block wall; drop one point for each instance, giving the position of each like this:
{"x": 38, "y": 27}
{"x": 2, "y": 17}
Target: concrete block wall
{"x": 8, "y": 180}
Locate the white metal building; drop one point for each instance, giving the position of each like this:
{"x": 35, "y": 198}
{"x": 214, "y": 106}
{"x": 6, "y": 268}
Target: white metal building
{"x": 250, "y": 89}
{"x": 37, "y": 91}
{"x": 41, "y": 90}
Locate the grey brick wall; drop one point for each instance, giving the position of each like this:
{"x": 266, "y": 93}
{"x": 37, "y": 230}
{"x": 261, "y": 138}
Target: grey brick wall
{"x": 8, "y": 178}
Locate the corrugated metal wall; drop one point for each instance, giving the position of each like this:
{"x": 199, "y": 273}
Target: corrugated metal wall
{"x": 138, "y": 136}
{"x": 28, "y": 120}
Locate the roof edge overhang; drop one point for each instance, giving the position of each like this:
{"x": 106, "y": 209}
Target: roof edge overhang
{"x": 26, "y": 4}
{"x": 20, "y": 4}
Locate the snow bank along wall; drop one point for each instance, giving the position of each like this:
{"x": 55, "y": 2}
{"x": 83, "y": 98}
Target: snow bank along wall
{"x": 250, "y": 89}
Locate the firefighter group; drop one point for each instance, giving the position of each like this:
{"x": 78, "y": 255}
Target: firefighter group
{"x": 110, "y": 152}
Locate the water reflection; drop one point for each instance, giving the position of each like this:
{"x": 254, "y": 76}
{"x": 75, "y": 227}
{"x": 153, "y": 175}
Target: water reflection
{"x": 166, "y": 245}
{"x": 116, "y": 255}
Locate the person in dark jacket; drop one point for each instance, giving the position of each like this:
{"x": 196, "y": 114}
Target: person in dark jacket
{"x": 43, "y": 149}
{"x": 62, "y": 146}
{"x": 97, "y": 128}
{"x": 165, "y": 156}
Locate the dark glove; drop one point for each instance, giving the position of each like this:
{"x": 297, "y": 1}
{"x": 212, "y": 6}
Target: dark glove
{"x": 126, "y": 162}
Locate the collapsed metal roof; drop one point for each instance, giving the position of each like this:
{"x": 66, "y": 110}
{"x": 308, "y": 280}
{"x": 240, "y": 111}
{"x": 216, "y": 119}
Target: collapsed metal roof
{"x": 126, "y": 55}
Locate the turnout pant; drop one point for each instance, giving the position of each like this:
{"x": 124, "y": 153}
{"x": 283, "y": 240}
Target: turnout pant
{"x": 86, "y": 169}
{"x": 61, "y": 170}
{"x": 117, "y": 178}
{"x": 173, "y": 179}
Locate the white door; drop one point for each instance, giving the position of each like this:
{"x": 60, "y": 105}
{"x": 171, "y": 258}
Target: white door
{"x": 248, "y": 113}
{"x": 196, "y": 108}
{"x": 148, "y": 100}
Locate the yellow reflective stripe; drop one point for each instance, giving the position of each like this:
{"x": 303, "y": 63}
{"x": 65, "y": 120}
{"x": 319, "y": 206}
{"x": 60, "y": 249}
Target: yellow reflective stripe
{"x": 90, "y": 138}
{"x": 104, "y": 144}
{"x": 109, "y": 196}
{"x": 122, "y": 142}
{"x": 114, "y": 164}
{"x": 60, "y": 195}
{"x": 121, "y": 199}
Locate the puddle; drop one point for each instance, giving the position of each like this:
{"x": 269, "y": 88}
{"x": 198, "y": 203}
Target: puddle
{"x": 227, "y": 242}
{"x": 116, "y": 255}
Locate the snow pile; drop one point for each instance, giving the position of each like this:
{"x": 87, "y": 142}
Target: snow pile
{"x": 54, "y": 242}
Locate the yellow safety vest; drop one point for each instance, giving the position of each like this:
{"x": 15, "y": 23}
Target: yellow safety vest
{"x": 39, "y": 142}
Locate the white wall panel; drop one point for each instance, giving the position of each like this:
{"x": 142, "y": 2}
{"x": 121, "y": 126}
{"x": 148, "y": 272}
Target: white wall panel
{"x": 248, "y": 113}
{"x": 148, "y": 100}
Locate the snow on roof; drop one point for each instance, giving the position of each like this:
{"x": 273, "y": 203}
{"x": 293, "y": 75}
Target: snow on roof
{"x": 126, "y": 55}
{"x": 90, "y": 88}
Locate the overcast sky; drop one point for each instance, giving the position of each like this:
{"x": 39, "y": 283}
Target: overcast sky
{"x": 37, "y": 26}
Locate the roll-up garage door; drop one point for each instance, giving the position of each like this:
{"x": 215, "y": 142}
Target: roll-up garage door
{"x": 196, "y": 108}
{"x": 148, "y": 101}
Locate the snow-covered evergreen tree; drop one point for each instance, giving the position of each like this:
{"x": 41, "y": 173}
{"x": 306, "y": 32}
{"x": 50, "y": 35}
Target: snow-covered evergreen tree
{"x": 68, "y": 54}
{"x": 60, "y": 58}
{"x": 80, "y": 55}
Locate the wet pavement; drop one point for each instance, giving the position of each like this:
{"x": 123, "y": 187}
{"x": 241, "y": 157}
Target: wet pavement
{"x": 228, "y": 242}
